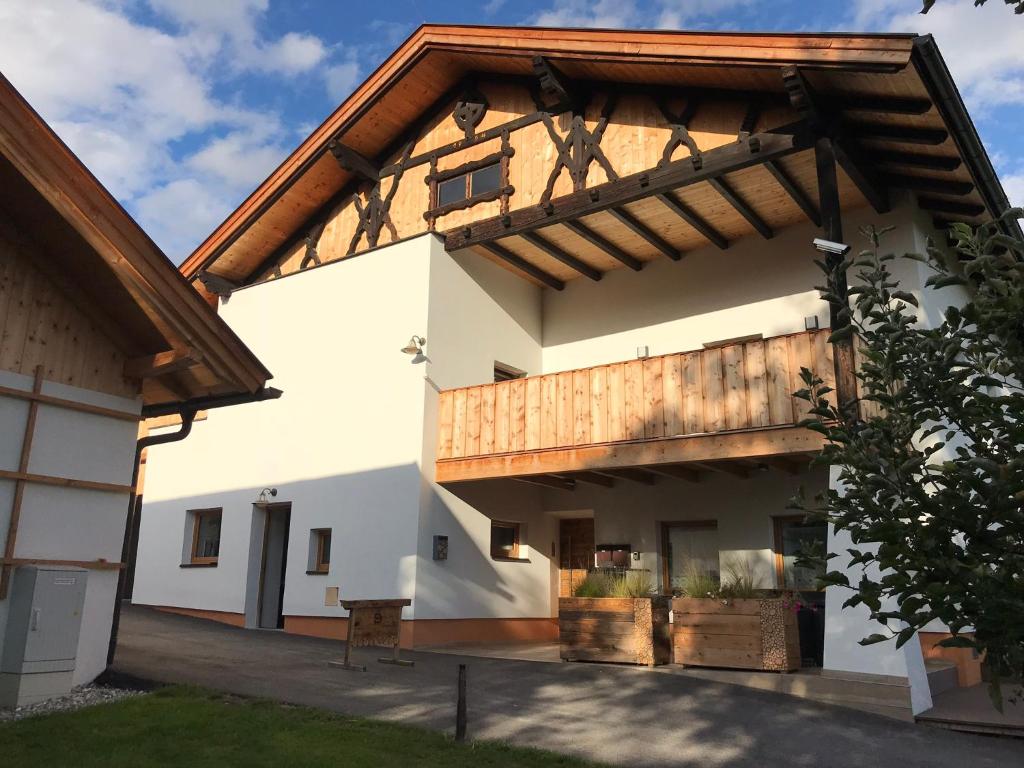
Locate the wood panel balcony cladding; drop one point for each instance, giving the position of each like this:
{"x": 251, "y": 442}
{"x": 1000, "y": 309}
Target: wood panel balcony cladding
{"x": 732, "y": 388}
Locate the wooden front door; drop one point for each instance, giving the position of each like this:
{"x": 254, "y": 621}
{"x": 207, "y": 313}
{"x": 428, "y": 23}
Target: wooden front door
{"x": 575, "y": 552}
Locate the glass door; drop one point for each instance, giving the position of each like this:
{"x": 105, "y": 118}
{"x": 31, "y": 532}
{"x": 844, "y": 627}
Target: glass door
{"x": 689, "y": 551}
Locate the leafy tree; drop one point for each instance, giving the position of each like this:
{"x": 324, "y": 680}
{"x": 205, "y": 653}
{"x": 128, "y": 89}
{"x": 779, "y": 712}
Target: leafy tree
{"x": 1018, "y": 5}
{"x": 932, "y": 471}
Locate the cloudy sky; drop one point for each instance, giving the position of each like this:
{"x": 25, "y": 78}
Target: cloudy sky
{"x": 181, "y": 107}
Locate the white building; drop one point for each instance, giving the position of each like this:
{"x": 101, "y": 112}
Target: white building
{"x": 97, "y": 331}
{"x": 600, "y": 243}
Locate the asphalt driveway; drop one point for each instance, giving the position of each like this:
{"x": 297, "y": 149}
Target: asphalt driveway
{"x": 616, "y": 714}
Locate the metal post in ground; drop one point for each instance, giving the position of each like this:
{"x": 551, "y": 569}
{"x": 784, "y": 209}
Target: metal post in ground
{"x": 460, "y": 709}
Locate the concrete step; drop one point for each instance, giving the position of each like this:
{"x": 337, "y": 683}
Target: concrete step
{"x": 942, "y": 676}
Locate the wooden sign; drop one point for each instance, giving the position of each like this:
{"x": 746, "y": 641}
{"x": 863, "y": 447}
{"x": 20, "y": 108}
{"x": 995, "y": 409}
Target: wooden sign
{"x": 373, "y": 623}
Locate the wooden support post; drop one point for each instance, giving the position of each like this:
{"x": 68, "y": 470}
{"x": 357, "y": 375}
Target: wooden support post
{"x": 839, "y": 310}
{"x": 349, "y": 640}
{"x": 19, "y": 484}
{"x": 460, "y": 706}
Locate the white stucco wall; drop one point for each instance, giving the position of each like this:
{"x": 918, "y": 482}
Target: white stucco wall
{"x": 343, "y": 444}
{"x": 70, "y": 523}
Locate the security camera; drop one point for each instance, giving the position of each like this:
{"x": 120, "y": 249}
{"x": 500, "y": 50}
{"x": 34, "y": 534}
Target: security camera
{"x": 827, "y": 246}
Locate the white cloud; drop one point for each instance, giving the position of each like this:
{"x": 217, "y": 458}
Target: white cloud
{"x": 341, "y": 79}
{"x": 138, "y": 103}
{"x": 1013, "y": 183}
{"x": 983, "y": 47}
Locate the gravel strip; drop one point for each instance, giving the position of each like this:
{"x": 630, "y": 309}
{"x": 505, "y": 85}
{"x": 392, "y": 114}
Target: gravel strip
{"x": 79, "y": 698}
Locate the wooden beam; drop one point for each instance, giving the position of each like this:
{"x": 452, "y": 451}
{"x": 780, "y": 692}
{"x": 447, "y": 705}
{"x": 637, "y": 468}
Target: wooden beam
{"x": 161, "y": 363}
{"x": 63, "y": 482}
{"x": 825, "y": 159}
{"x": 71, "y": 405}
{"x": 874, "y": 190}
{"x": 549, "y": 481}
{"x": 730, "y": 157}
{"x": 605, "y": 245}
{"x": 915, "y": 160}
{"x": 678, "y": 471}
{"x": 935, "y": 186}
{"x": 693, "y": 449}
{"x": 629, "y": 221}
{"x": 98, "y": 565}
{"x": 555, "y": 252}
{"x": 795, "y": 193}
{"x": 555, "y": 85}
{"x": 896, "y": 133}
{"x": 353, "y": 161}
{"x": 19, "y": 487}
{"x": 594, "y": 479}
{"x": 636, "y": 475}
{"x": 742, "y": 207}
{"x": 950, "y": 206}
{"x": 684, "y": 212}
{"x": 523, "y": 265}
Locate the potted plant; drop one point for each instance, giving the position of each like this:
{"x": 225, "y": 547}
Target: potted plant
{"x": 615, "y": 617}
{"x": 735, "y": 624}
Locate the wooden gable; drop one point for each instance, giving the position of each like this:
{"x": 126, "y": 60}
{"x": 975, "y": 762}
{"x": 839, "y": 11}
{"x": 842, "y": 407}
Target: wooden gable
{"x": 614, "y": 148}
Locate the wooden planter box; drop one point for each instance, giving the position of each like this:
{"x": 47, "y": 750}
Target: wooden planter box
{"x": 623, "y": 629}
{"x": 759, "y": 633}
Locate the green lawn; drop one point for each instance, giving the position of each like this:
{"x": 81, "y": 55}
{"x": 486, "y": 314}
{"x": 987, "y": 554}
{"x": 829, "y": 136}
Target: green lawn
{"x": 197, "y": 728}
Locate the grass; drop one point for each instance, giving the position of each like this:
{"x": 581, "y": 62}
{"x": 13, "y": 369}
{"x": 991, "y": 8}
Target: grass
{"x": 179, "y": 726}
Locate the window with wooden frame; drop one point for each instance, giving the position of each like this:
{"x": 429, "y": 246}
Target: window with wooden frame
{"x": 796, "y": 536}
{"x": 505, "y": 540}
{"x": 320, "y": 548}
{"x": 504, "y": 372}
{"x": 468, "y": 185}
{"x": 689, "y": 548}
{"x": 205, "y": 536}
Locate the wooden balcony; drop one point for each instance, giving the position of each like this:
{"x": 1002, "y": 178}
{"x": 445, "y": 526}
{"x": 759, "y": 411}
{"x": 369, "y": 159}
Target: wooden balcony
{"x": 675, "y": 413}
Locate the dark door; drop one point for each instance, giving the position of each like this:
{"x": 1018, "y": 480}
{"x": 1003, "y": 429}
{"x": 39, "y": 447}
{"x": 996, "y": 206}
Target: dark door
{"x": 275, "y": 566}
{"x": 575, "y": 552}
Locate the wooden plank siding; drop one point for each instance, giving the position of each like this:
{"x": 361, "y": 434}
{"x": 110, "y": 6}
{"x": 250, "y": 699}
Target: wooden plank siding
{"x": 742, "y": 386}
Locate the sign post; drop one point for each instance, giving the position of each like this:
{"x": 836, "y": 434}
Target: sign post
{"x": 373, "y": 623}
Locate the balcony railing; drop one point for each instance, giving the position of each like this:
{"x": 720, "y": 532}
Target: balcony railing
{"x": 741, "y": 386}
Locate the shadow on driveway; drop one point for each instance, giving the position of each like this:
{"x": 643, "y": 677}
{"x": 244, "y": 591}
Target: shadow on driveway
{"x": 616, "y": 714}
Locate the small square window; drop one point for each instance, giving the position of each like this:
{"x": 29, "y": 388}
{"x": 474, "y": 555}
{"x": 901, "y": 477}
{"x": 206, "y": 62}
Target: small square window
{"x": 504, "y": 540}
{"x": 205, "y": 535}
{"x": 320, "y": 550}
{"x": 486, "y": 179}
{"x": 451, "y": 191}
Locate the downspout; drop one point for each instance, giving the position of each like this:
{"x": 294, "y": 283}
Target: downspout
{"x": 187, "y": 410}
{"x": 187, "y": 419}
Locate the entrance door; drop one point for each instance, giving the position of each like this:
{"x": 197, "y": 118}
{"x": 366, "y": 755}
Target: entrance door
{"x": 274, "y": 566}
{"x": 575, "y": 552}
{"x": 689, "y": 555}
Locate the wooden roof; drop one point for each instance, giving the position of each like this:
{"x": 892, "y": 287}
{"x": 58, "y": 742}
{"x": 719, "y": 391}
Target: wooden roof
{"x": 95, "y": 253}
{"x": 921, "y": 140}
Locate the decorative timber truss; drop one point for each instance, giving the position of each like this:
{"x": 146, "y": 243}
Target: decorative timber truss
{"x": 794, "y": 137}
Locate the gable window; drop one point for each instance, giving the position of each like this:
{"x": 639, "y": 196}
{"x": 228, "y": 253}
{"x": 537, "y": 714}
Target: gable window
{"x": 469, "y": 185}
{"x": 205, "y": 536}
{"x": 504, "y": 540}
{"x": 504, "y": 372}
{"x": 319, "y": 550}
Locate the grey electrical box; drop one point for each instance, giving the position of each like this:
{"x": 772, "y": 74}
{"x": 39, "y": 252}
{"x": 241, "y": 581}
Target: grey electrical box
{"x": 41, "y": 637}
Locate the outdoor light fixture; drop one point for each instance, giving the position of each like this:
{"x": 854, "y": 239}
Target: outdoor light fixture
{"x": 263, "y": 495}
{"x": 831, "y": 247}
{"x": 415, "y": 345}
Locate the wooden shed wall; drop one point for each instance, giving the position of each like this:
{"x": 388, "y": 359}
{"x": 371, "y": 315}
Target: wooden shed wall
{"x": 40, "y": 325}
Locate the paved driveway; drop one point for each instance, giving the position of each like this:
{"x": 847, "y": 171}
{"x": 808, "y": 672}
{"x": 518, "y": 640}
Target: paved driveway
{"x": 616, "y": 714}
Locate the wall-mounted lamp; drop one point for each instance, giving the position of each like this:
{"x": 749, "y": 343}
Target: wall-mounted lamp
{"x": 263, "y": 495}
{"x": 415, "y": 345}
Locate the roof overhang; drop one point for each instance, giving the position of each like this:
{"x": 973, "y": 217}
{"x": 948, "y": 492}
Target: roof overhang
{"x": 97, "y": 254}
{"x": 427, "y": 69}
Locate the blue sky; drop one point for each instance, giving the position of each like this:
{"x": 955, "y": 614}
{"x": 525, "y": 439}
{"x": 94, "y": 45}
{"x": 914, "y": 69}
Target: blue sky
{"x": 181, "y": 107}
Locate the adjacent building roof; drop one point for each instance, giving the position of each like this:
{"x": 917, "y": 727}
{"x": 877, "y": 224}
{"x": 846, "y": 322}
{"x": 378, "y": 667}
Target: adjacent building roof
{"x": 900, "y": 107}
{"x": 93, "y": 250}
